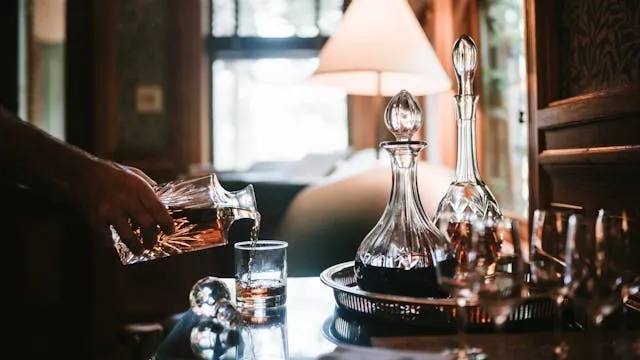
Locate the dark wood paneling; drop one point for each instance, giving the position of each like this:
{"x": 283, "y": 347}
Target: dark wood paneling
{"x": 584, "y": 133}
{"x": 600, "y": 43}
{"x": 104, "y": 76}
{"x": 595, "y": 185}
{"x": 187, "y": 56}
{"x": 79, "y": 74}
{"x": 9, "y": 55}
{"x": 593, "y": 134}
{"x": 607, "y": 104}
{"x": 181, "y": 68}
{"x": 629, "y": 154}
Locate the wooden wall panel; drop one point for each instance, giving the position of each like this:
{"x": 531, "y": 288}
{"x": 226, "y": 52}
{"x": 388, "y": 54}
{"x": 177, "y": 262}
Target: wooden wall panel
{"x": 9, "y": 58}
{"x": 115, "y": 46}
{"x": 584, "y": 83}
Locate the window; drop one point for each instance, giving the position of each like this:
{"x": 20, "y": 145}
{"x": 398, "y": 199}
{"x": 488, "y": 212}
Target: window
{"x": 263, "y": 109}
{"x": 42, "y": 64}
{"x": 504, "y": 99}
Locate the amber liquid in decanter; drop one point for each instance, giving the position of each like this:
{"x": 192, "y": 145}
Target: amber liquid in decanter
{"x": 202, "y": 212}
{"x": 399, "y": 255}
{"x": 468, "y": 197}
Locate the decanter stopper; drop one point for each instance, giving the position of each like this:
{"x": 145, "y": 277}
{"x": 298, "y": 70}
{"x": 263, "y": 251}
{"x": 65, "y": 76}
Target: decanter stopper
{"x": 465, "y": 61}
{"x": 403, "y": 116}
{"x": 210, "y": 297}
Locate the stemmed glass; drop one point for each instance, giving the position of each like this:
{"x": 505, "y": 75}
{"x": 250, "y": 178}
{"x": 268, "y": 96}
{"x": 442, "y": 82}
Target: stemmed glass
{"x": 553, "y": 236}
{"x": 459, "y": 282}
{"x": 499, "y": 266}
{"x": 599, "y": 265}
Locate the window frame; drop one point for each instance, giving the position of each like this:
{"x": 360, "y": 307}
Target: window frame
{"x": 236, "y": 47}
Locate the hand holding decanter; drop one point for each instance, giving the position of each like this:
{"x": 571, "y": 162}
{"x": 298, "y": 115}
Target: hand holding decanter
{"x": 202, "y": 212}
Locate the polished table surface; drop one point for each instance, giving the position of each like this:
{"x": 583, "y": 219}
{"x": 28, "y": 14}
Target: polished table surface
{"x": 309, "y": 304}
{"x": 316, "y": 329}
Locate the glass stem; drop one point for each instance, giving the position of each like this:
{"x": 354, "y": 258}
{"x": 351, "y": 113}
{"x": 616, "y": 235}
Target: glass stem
{"x": 560, "y": 347}
{"x": 461, "y": 319}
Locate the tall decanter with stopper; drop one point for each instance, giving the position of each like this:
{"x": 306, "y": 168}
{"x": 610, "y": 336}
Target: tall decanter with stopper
{"x": 398, "y": 256}
{"x": 467, "y": 197}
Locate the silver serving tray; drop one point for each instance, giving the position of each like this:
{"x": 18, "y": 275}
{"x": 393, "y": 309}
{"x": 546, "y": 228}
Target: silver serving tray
{"x": 422, "y": 311}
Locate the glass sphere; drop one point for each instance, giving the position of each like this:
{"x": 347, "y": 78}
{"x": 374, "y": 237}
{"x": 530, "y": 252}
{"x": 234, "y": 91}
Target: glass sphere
{"x": 206, "y": 293}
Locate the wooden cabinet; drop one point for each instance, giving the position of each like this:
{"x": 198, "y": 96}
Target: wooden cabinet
{"x": 584, "y": 103}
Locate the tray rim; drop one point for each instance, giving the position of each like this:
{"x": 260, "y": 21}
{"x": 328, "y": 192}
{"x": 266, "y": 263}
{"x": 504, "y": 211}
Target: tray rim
{"x": 326, "y": 276}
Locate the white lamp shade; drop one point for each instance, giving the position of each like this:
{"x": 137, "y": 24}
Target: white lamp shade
{"x": 49, "y": 21}
{"x": 380, "y": 40}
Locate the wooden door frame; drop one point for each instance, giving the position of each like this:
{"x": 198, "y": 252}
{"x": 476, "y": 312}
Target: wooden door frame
{"x": 10, "y": 55}
{"x": 548, "y": 111}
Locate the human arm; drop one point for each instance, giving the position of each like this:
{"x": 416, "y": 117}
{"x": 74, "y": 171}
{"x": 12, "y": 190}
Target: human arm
{"x": 107, "y": 194}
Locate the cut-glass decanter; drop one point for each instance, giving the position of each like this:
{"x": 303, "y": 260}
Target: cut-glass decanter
{"x": 202, "y": 211}
{"x": 399, "y": 254}
{"x": 467, "y": 197}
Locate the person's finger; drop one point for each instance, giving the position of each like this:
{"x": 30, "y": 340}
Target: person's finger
{"x": 149, "y": 236}
{"x": 102, "y": 232}
{"x": 139, "y": 173}
{"x": 159, "y": 212}
{"x": 142, "y": 175}
{"x": 127, "y": 236}
{"x": 147, "y": 225}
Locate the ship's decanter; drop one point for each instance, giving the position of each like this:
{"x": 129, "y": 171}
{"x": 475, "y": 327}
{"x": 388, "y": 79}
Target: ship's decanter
{"x": 467, "y": 197}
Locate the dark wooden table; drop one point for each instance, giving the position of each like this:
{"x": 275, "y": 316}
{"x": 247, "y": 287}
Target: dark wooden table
{"x": 317, "y": 329}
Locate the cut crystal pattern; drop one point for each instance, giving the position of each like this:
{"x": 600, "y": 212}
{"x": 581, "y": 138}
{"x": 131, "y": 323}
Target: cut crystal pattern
{"x": 467, "y": 197}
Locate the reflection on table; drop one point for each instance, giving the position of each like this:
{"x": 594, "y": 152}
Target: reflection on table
{"x": 310, "y": 326}
{"x": 309, "y": 303}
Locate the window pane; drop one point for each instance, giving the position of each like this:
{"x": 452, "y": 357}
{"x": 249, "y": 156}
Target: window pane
{"x": 504, "y": 101}
{"x": 44, "y": 62}
{"x": 223, "y": 20}
{"x": 264, "y": 111}
{"x": 277, "y": 18}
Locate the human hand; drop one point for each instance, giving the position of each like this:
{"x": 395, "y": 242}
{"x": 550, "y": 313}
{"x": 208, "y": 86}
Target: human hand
{"x": 139, "y": 173}
{"x": 110, "y": 194}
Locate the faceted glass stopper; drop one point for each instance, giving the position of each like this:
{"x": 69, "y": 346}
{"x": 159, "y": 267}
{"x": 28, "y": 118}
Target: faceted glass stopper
{"x": 210, "y": 297}
{"x": 465, "y": 62}
{"x": 403, "y": 116}
{"x": 206, "y": 294}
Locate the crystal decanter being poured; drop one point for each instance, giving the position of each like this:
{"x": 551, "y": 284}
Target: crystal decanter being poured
{"x": 467, "y": 197}
{"x": 399, "y": 254}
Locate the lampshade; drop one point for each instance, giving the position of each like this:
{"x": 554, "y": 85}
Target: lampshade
{"x": 379, "y": 48}
{"x": 49, "y": 21}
